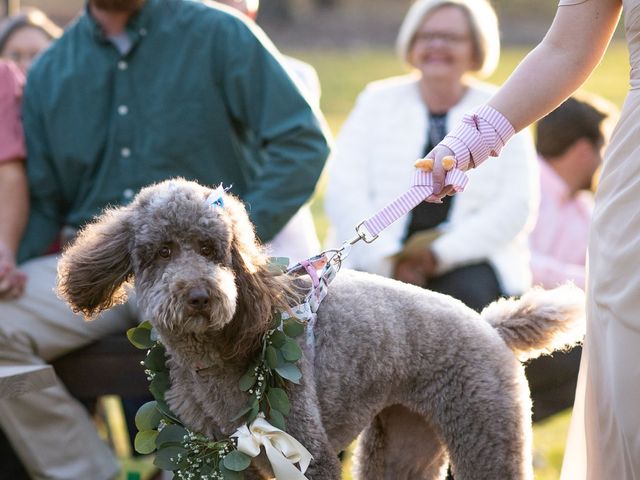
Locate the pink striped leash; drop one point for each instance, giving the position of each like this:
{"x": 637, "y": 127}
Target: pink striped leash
{"x": 422, "y": 188}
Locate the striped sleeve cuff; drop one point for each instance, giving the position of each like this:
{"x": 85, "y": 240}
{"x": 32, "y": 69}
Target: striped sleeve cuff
{"x": 480, "y": 135}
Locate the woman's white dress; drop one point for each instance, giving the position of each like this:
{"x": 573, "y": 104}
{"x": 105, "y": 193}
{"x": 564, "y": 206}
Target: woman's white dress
{"x": 604, "y": 441}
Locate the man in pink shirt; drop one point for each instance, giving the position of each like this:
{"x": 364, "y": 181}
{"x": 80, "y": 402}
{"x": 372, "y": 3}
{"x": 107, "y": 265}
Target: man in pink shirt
{"x": 13, "y": 182}
{"x": 569, "y": 141}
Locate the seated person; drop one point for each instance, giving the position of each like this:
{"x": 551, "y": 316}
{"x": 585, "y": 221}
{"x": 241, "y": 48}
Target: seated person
{"x": 14, "y": 192}
{"x": 24, "y": 35}
{"x": 569, "y": 141}
{"x": 472, "y": 246}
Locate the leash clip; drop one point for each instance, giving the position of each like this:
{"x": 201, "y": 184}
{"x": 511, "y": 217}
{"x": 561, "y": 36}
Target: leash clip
{"x": 362, "y": 235}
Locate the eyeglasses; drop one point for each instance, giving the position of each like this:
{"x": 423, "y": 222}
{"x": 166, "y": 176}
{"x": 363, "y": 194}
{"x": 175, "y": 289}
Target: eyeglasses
{"x": 444, "y": 37}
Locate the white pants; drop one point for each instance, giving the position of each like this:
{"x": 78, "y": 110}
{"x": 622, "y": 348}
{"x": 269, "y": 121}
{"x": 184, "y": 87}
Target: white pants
{"x": 51, "y": 432}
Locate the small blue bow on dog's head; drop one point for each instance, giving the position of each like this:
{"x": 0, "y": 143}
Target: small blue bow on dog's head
{"x": 215, "y": 197}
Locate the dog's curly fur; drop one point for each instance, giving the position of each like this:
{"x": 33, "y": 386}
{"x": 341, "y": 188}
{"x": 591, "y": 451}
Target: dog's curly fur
{"x": 427, "y": 379}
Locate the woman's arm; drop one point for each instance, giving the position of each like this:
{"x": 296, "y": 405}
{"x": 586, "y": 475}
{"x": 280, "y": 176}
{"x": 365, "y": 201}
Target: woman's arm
{"x": 572, "y": 48}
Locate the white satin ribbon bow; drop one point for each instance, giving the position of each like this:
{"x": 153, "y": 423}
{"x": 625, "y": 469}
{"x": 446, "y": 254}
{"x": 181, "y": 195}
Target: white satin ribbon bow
{"x": 281, "y": 448}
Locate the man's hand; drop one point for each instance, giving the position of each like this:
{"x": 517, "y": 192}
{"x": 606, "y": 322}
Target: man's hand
{"x": 12, "y": 281}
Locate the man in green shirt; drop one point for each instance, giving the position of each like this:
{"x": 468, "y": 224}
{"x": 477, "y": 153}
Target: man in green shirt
{"x": 138, "y": 91}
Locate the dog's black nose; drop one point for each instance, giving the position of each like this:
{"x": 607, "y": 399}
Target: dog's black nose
{"x": 198, "y": 298}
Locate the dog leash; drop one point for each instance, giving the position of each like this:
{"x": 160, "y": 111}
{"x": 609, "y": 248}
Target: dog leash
{"x": 421, "y": 189}
{"x": 323, "y": 268}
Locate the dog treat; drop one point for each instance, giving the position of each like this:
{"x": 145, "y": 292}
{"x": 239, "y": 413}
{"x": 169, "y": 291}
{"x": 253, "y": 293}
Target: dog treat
{"x": 426, "y": 164}
{"x": 448, "y": 162}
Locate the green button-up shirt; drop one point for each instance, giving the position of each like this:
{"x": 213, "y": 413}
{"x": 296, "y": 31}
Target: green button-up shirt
{"x": 201, "y": 94}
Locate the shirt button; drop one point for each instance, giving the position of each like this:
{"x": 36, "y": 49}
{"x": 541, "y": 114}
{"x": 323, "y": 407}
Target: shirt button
{"x": 125, "y": 152}
{"x": 142, "y": 32}
{"x": 128, "y": 194}
{"x": 122, "y": 65}
{"x": 123, "y": 109}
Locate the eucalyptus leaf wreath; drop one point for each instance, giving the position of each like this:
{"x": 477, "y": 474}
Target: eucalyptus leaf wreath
{"x": 192, "y": 455}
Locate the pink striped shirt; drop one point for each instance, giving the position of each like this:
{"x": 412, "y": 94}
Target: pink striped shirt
{"x": 11, "y": 134}
{"x": 559, "y": 240}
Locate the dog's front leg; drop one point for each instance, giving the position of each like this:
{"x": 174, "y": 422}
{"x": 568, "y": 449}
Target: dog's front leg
{"x": 304, "y": 422}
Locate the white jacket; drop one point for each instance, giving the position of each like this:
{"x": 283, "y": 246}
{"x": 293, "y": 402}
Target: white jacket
{"x": 373, "y": 163}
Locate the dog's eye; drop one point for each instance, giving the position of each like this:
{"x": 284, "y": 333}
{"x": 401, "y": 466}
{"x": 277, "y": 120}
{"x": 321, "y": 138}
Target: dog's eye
{"x": 206, "y": 250}
{"x": 164, "y": 252}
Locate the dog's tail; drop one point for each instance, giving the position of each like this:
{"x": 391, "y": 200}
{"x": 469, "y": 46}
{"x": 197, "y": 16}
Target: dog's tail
{"x": 540, "y": 321}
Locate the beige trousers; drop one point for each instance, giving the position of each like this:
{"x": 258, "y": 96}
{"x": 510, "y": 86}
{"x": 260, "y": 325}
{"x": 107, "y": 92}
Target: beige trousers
{"x": 50, "y": 431}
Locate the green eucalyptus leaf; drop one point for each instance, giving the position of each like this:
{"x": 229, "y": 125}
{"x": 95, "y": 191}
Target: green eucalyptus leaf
{"x": 166, "y": 411}
{"x": 171, "y": 435}
{"x": 145, "y": 441}
{"x": 291, "y": 351}
{"x": 229, "y": 474}
{"x": 272, "y": 357}
{"x": 207, "y": 469}
{"x": 276, "y": 320}
{"x": 156, "y": 359}
{"x": 277, "y": 420}
{"x": 148, "y": 416}
{"x": 159, "y": 385}
{"x": 253, "y": 413}
{"x": 169, "y": 458}
{"x": 281, "y": 360}
{"x": 140, "y": 337}
{"x": 279, "y": 400}
{"x": 293, "y": 328}
{"x": 278, "y": 338}
{"x": 236, "y": 461}
{"x": 290, "y": 372}
{"x": 248, "y": 379}
{"x": 244, "y": 410}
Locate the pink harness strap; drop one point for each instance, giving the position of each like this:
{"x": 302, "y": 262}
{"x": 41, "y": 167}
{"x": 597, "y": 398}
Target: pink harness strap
{"x": 311, "y": 271}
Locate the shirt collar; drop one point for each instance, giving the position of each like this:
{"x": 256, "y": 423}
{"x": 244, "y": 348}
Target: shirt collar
{"x": 137, "y": 27}
{"x": 554, "y": 184}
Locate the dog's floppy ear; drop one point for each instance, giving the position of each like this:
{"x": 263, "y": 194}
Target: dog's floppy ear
{"x": 259, "y": 291}
{"x": 94, "y": 268}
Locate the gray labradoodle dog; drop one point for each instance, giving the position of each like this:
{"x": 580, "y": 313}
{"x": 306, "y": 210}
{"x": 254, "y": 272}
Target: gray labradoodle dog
{"x": 422, "y": 378}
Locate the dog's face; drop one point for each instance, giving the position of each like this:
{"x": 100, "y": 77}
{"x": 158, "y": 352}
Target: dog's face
{"x": 197, "y": 267}
{"x": 182, "y": 259}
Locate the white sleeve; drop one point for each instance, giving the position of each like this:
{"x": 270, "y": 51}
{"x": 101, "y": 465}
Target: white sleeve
{"x": 348, "y": 197}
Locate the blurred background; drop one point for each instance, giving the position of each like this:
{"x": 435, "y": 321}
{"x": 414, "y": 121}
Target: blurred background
{"x": 350, "y": 43}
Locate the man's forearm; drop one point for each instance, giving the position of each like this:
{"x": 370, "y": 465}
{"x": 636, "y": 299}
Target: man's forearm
{"x": 14, "y": 203}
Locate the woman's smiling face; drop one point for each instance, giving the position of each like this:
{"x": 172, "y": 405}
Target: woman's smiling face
{"x": 443, "y": 47}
